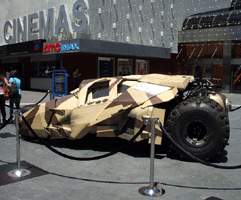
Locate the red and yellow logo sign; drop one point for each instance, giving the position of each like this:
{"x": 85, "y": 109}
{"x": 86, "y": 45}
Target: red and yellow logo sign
{"x": 55, "y": 47}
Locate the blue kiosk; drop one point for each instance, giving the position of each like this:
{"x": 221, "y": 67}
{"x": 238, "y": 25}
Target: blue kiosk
{"x": 59, "y": 83}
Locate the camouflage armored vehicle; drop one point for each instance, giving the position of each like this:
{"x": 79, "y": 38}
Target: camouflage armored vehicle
{"x": 194, "y": 115}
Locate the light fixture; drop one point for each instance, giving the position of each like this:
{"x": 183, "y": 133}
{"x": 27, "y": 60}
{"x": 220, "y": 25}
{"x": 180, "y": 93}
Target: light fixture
{"x": 99, "y": 35}
{"x": 114, "y": 25}
{"x": 99, "y": 10}
{"x": 127, "y": 38}
{"x": 128, "y": 16}
{"x": 140, "y": 29}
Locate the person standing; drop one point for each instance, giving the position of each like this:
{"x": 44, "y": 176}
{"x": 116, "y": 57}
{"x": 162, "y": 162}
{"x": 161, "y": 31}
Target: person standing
{"x": 8, "y": 74}
{"x": 3, "y": 81}
{"x": 76, "y": 76}
{"x": 15, "y": 98}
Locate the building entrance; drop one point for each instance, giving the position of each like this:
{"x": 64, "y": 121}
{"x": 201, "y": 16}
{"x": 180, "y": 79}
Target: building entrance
{"x": 213, "y": 73}
{"x": 236, "y": 78}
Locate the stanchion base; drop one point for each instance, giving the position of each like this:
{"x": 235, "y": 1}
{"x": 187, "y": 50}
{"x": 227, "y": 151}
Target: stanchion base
{"x": 155, "y": 192}
{"x": 18, "y": 173}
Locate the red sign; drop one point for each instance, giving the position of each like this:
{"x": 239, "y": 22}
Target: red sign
{"x": 142, "y": 67}
{"x": 56, "y": 47}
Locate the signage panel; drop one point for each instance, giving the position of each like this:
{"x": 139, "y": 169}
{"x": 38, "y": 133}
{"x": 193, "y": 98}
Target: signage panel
{"x": 124, "y": 67}
{"x": 61, "y": 47}
{"x": 3, "y": 51}
{"x": 59, "y": 83}
{"x": 106, "y": 67}
{"x": 142, "y": 66}
{"x": 47, "y": 23}
{"x": 35, "y": 46}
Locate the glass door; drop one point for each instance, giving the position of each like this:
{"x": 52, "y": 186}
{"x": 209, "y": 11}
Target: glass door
{"x": 236, "y": 78}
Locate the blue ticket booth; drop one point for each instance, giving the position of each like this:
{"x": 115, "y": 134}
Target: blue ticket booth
{"x": 59, "y": 83}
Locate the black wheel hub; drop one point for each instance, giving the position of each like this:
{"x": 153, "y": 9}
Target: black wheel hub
{"x": 196, "y": 133}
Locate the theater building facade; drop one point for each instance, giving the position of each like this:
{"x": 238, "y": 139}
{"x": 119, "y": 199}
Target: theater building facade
{"x": 101, "y": 38}
{"x": 211, "y": 41}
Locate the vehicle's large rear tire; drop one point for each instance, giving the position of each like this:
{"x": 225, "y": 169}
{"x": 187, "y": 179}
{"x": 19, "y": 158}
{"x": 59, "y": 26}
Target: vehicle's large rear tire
{"x": 200, "y": 126}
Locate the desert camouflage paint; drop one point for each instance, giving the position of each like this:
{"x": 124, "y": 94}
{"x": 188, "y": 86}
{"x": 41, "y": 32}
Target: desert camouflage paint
{"x": 104, "y": 105}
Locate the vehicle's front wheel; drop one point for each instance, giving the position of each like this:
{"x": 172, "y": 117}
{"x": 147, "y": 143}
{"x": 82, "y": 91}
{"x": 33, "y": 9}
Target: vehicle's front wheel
{"x": 200, "y": 126}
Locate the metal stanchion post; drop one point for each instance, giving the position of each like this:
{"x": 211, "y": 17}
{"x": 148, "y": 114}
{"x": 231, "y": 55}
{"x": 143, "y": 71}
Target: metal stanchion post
{"x": 152, "y": 153}
{"x": 17, "y": 140}
{"x": 151, "y": 190}
{"x": 19, "y": 172}
{"x": 50, "y": 93}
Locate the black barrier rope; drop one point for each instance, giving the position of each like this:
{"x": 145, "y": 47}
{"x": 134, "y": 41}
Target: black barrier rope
{"x": 77, "y": 158}
{"x": 6, "y": 122}
{"x": 10, "y": 107}
{"x": 235, "y": 109}
{"x": 11, "y": 117}
{"x": 43, "y": 97}
{"x": 199, "y": 188}
{"x": 35, "y": 103}
{"x": 192, "y": 156}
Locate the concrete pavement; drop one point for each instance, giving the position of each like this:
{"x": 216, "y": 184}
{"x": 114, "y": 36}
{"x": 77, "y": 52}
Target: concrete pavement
{"x": 119, "y": 176}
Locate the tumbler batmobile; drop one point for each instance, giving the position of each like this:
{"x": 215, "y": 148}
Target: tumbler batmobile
{"x": 193, "y": 114}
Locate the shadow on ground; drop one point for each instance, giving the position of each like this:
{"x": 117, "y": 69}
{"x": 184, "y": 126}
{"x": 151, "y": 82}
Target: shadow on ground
{"x": 5, "y": 169}
{"x": 6, "y": 135}
{"x": 91, "y": 142}
{"x": 134, "y": 149}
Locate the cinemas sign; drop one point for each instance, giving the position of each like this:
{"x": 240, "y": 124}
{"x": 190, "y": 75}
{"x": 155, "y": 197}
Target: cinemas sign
{"x": 47, "y": 23}
{"x": 59, "y": 47}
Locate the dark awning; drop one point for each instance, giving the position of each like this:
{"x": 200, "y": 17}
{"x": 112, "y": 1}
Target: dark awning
{"x": 113, "y": 48}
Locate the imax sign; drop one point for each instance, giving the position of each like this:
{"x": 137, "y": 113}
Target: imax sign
{"x": 70, "y": 47}
{"x": 58, "y": 47}
{"x": 42, "y": 24}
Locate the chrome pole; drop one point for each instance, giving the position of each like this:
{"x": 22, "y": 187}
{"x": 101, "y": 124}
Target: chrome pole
{"x": 151, "y": 190}
{"x": 152, "y": 153}
{"x": 18, "y": 172}
{"x": 50, "y": 93}
{"x": 17, "y": 139}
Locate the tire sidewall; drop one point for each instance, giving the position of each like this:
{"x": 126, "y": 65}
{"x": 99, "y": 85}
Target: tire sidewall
{"x": 211, "y": 115}
{"x": 181, "y": 123}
